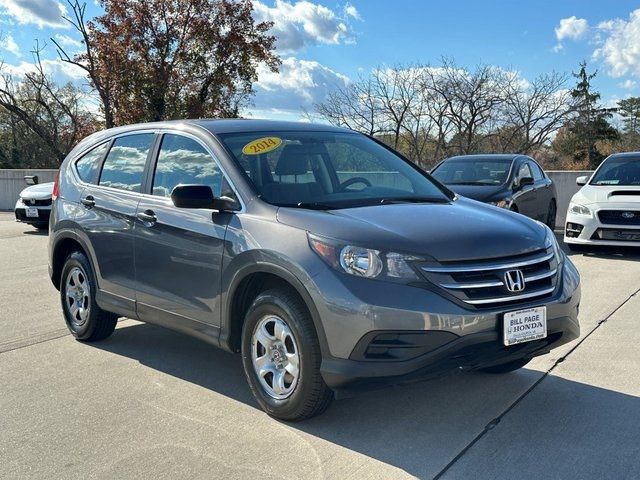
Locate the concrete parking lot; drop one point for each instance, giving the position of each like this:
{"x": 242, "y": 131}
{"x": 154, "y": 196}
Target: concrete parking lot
{"x": 150, "y": 403}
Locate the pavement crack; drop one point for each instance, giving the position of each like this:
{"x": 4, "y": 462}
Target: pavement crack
{"x": 493, "y": 423}
{"x": 33, "y": 340}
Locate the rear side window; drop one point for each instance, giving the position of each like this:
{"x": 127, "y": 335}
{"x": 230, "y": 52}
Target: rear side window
{"x": 537, "y": 171}
{"x": 124, "y": 165}
{"x": 89, "y": 164}
{"x": 182, "y": 160}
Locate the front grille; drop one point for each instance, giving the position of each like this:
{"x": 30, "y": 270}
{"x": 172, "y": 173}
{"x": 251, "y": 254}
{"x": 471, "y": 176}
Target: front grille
{"x": 616, "y": 234}
{"x": 36, "y": 203}
{"x": 482, "y": 284}
{"x": 619, "y": 217}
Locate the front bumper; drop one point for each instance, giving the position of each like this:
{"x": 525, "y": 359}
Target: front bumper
{"x": 594, "y": 232}
{"x": 443, "y": 336}
{"x": 44, "y": 212}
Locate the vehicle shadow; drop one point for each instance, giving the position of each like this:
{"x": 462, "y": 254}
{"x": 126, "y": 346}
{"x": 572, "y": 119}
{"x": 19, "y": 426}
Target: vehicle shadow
{"x": 419, "y": 428}
{"x": 37, "y": 232}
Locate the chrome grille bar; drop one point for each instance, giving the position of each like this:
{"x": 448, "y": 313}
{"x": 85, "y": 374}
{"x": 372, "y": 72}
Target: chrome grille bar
{"x": 488, "y": 266}
{"x": 530, "y": 278}
{"x": 512, "y": 298}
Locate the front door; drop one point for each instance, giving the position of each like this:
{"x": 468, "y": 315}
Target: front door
{"x": 178, "y": 251}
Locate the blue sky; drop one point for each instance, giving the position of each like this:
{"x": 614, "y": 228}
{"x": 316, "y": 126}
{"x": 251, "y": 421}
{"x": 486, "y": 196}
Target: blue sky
{"x": 324, "y": 44}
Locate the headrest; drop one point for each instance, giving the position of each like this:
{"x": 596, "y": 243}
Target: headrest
{"x": 294, "y": 159}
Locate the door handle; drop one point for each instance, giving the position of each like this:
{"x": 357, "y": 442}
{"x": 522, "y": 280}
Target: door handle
{"x": 89, "y": 201}
{"x": 148, "y": 216}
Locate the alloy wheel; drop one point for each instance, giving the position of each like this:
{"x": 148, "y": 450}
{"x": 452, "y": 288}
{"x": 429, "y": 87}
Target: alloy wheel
{"x": 275, "y": 357}
{"x": 77, "y": 293}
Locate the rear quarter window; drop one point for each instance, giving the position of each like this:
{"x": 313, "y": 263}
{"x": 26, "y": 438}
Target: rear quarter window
{"x": 88, "y": 165}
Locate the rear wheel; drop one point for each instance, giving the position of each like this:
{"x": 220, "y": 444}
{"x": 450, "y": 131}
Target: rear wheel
{"x": 507, "y": 367}
{"x": 281, "y": 357}
{"x": 84, "y": 318}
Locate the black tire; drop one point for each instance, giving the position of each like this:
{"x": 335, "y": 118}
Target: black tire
{"x": 98, "y": 324}
{"x": 551, "y": 215}
{"x": 507, "y": 367}
{"x": 310, "y": 396}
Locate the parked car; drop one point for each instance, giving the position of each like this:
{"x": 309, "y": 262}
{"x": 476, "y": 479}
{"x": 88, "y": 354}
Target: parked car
{"x": 34, "y": 204}
{"x": 514, "y": 182}
{"x": 606, "y": 210}
{"x": 274, "y": 239}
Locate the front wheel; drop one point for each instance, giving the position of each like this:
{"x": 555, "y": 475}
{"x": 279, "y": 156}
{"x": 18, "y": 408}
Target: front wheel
{"x": 507, "y": 367}
{"x": 84, "y": 318}
{"x": 281, "y": 357}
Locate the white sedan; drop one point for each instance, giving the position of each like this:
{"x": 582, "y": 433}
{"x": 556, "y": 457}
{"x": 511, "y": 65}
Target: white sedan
{"x": 34, "y": 204}
{"x": 606, "y": 210}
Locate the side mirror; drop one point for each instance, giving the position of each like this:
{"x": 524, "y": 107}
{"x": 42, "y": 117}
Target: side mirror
{"x": 524, "y": 181}
{"x": 582, "y": 180}
{"x": 201, "y": 196}
{"x": 31, "y": 179}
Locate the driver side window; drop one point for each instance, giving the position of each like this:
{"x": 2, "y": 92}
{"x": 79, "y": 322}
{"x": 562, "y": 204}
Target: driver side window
{"x": 523, "y": 172}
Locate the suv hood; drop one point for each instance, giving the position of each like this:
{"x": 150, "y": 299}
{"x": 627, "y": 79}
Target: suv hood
{"x": 42, "y": 191}
{"x": 607, "y": 193}
{"x": 457, "y": 231}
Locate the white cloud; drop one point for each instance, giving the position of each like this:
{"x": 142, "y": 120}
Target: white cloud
{"x": 303, "y": 23}
{"x": 620, "y": 48}
{"x": 297, "y": 87}
{"x": 59, "y": 71}
{"x": 572, "y": 28}
{"x": 10, "y": 45}
{"x": 351, "y": 11}
{"x": 67, "y": 41}
{"x": 628, "y": 84}
{"x": 39, "y": 12}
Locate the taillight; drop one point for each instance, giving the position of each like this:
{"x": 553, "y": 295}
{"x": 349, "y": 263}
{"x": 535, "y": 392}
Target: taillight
{"x": 56, "y": 187}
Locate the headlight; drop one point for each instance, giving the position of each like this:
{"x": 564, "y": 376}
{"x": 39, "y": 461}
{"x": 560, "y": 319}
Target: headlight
{"x": 579, "y": 209}
{"x": 364, "y": 262}
{"x": 501, "y": 203}
{"x": 552, "y": 241}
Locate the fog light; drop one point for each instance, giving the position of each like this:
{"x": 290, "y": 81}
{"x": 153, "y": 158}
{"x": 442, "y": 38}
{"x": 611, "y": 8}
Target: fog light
{"x": 573, "y": 230}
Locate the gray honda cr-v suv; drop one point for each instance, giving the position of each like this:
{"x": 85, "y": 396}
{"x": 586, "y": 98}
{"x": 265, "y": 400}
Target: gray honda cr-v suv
{"x": 327, "y": 259}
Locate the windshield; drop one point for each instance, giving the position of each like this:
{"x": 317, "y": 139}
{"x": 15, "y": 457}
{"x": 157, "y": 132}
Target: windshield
{"x": 473, "y": 171}
{"x": 326, "y": 170}
{"x": 618, "y": 171}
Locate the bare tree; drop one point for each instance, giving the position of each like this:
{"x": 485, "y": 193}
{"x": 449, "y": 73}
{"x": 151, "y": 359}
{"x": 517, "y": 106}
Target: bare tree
{"x": 534, "y": 112}
{"x": 55, "y": 114}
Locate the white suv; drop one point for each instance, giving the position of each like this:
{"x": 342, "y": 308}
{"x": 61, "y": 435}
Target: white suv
{"x": 606, "y": 210}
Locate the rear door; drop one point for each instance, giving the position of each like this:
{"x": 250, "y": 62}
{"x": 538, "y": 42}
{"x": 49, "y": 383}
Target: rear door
{"x": 544, "y": 192}
{"x": 108, "y": 214}
{"x": 526, "y": 198}
{"x": 178, "y": 251}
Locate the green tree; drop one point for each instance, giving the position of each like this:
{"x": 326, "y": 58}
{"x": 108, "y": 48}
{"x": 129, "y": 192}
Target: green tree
{"x": 629, "y": 110}
{"x": 590, "y": 124}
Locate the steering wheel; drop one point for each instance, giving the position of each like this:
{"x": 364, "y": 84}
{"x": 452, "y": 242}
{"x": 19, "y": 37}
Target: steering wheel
{"x": 347, "y": 183}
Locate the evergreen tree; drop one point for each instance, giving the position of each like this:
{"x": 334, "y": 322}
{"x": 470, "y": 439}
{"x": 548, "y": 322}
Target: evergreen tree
{"x": 591, "y": 121}
{"x": 629, "y": 110}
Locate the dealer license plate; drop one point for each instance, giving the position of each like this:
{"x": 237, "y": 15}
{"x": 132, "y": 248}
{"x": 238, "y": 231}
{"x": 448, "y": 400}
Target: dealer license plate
{"x": 525, "y": 325}
{"x": 32, "y": 213}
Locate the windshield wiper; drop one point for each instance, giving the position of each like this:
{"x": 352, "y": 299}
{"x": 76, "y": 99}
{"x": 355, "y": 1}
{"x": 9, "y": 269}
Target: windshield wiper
{"x": 468, "y": 183}
{"x": 312, "y": 205}
{"x": 414, "y": 200}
